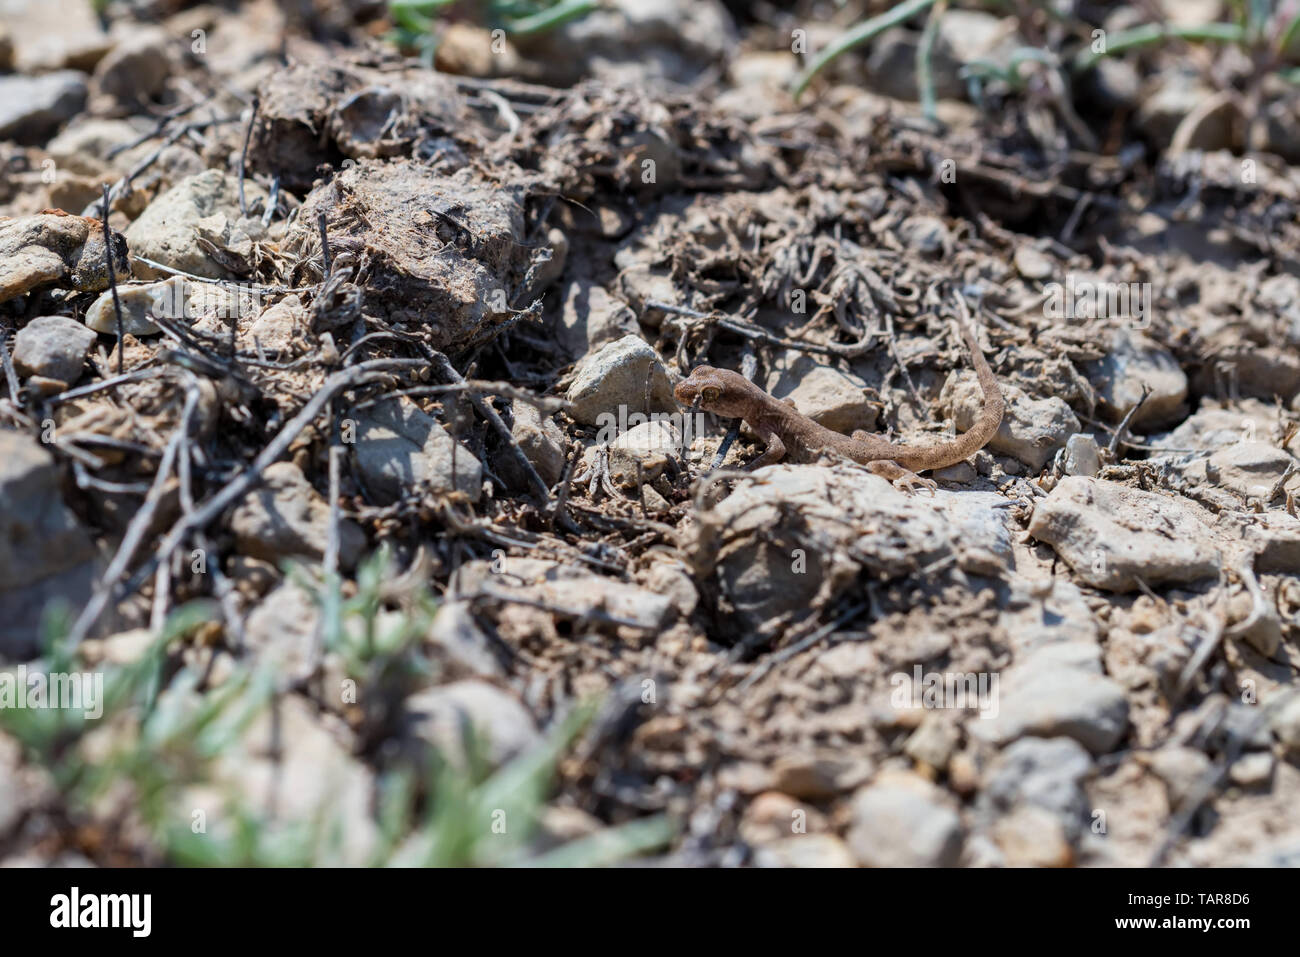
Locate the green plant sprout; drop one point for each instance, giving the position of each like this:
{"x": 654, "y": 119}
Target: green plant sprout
{"x": 416, "y": 21}
{"x": 164, "y": 743}
{"x": 1256, "y": 21}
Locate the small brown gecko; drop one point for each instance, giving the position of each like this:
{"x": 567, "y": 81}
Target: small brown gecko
{"x": 786, "y": 431}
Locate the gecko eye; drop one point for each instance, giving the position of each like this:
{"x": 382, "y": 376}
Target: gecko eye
{"x": 711, "y": 393}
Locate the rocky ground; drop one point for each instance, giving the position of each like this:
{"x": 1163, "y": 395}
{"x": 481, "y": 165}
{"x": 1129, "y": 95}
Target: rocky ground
{"x": 337, "y": 459}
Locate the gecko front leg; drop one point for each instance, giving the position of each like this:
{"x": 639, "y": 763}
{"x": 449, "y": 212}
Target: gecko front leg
{"x": 774, "y": 452}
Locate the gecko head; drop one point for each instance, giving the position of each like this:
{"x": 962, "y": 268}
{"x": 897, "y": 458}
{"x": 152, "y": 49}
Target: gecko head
{"x": 714, "y": 389}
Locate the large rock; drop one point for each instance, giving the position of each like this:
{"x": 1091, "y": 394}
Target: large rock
{"x": 55, "y": 249}
{"x": 200, "y": 207}
{"x": 1113, "y": 536}
{"x": 400, "y": 449}
{"x": 1031, "y": 430}
{"x": 443, "y": 254}
{"x": 826, "y": 395}
{"x": 795, "y": 534}
{"x": 290, "y": 769}
{"x": 32, "y": 108}
{"x": 45, "y": 553}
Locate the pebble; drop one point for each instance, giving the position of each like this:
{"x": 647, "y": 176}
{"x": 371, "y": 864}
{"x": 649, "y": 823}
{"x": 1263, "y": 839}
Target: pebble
{"x": 540, "y": 439}
{"x": 1046, "y": 773}
{"x": 1032, "y": 429}
{"x": 285, "y": 517}
{"x": 1210, "y": 126}
{"x": 1135, "y": 361}
{"x": 1032, "y": 264}
{"x": 903, "y": 825}
{"x": 1030, "y": 836}
{"x": 568, "y": 590}
{"x": 279, "y": 328}
{"x": 773, "y": 815}
{"x": 299, "y": 773}
{"x": 933, "y": 742}
{"x": 1175, "y": 94}
{"x": 1252, "y": 770}
{"x": 826, "y": 395}
{"x": 1112, "y": 536}
{"x": 53, "y": 346}
{"x": 136, "y": 69}
{"x": 1285, "y": 724}
{"x": 651, "y": 445}
{"x": 815, "y": 777}
{"x": 620, "y": 375}
{"x": 926, "y": 235}
{"x": 1082, "y": 455}
{"x": 1049, "y": 697}
{"x": 442, "y": 717}
{"x": 1035, "y": 617}
{"x": 45, "y": 552}
{"x": 805, "y": 850}
{"x": 1182, "y": 770}
{"x": 165, "y": 300}
{"x": 84, "y": 146}
{"x": 460, "y": 645}
{"x": 400, "y": 447}
{"x": 281, "y": 631}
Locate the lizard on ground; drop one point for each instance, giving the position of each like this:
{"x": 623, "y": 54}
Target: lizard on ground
{"x": 786, "y": 431}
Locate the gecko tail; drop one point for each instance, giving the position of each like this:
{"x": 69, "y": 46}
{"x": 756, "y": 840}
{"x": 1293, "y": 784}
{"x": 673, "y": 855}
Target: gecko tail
{"x": 986, "y": 425}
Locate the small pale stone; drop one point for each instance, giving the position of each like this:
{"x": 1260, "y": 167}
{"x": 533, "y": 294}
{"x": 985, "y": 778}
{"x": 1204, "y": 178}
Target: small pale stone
{"x": 140, "y": 304}
{"x": 1082, "y": 456}
{"x": 1032, "y": 837}
{"x": 52, "y": 346}
{"x": 898, "y": 826}
{"x": 444, "y": 715}
{"x": 621, "y": 375}
{"x": 1031, "y": 264}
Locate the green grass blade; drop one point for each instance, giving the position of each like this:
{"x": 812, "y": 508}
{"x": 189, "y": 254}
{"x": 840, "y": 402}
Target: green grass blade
{"x": 1151, "y": 33}
{"x": 859, "y": 35}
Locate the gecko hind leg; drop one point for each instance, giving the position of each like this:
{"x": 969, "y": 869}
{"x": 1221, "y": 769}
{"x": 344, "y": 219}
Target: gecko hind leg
{"x": 903, "y": 479}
